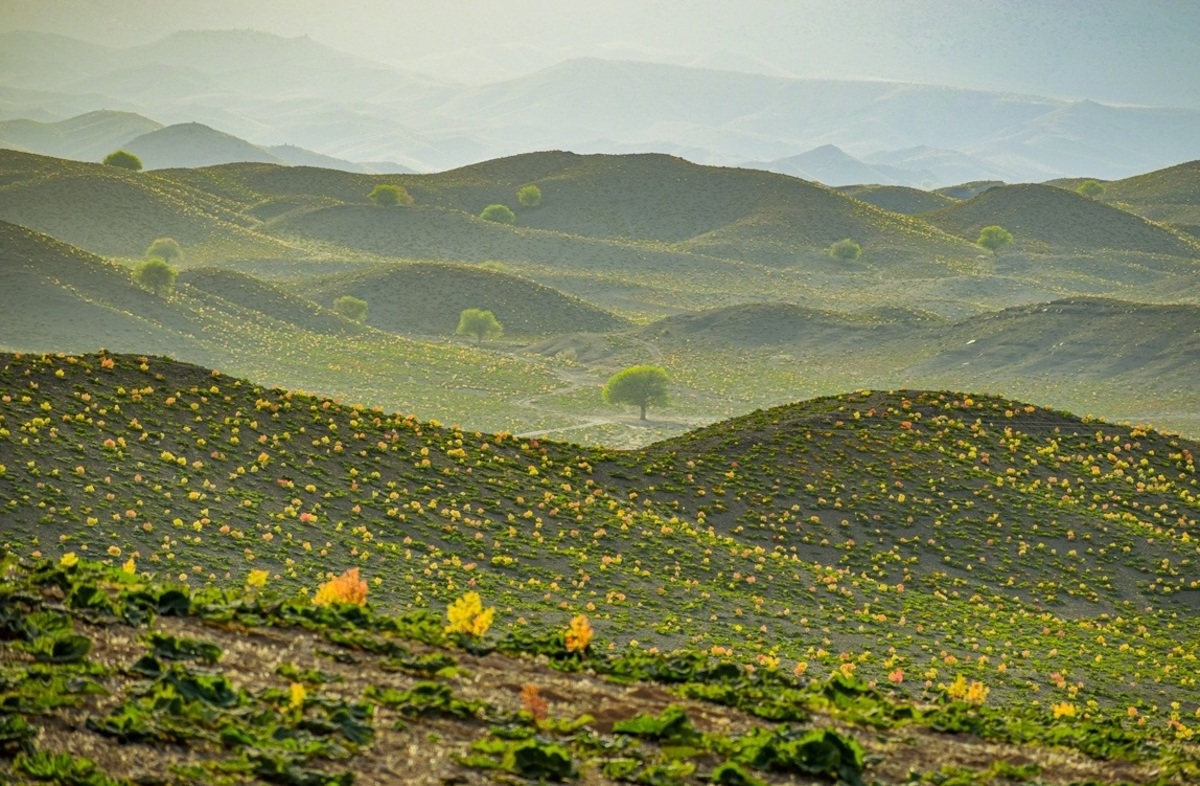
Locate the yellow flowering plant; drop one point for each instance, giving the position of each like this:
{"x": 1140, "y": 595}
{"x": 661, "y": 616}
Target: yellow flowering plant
{"x": 468, "y": 616}
{"x": 579, "y": 634}
{"x": 346, "y": 588}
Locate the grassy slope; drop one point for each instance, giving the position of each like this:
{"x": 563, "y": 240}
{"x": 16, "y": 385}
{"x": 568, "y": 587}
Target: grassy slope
{"x": 854, "y": 524}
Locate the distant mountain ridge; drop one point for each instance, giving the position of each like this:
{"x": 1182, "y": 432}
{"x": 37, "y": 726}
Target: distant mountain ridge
{"x": 297, "y": 91}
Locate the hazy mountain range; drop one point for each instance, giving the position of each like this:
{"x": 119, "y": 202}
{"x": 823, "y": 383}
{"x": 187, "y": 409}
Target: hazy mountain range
{"x": 273, "y": 92}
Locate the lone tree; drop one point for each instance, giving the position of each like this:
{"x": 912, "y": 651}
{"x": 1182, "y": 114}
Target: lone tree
{"x": 529, "y": 195}
{"x": 166, "y": 249}
{"x": 1092, "y": 189}
{"x": 351, "y": 308}
{"x": 479, "y": 323}
{"x": 845, "y": 249}
{"x": 156, "y": 276}
{"x": 500, "y": 213}
{"x": 390, "y": 195}
{"x": 642, "y": 386}
{"x": 994, "y": 238}
{"x": 123, "y": 159}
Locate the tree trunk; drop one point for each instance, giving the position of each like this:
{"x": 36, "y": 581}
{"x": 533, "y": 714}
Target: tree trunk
{"x": 643, "y": 406}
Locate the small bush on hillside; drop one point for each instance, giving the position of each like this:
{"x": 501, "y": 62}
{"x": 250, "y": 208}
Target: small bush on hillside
{"x": 642, "y": 386}
{"x": 166, "y": 249}
{"x": 1091, "y": 189}
{"x": 156, "y": 276}
{"x": 845, "y": 249}
{"x": 499, "y": 213}
{"x": 994, "y": 238}
{"x": 351, "y": 308}
{"x": 479, "y": 323}
{"x": 390, "y": 195}
{"x": 123, "y": 160}
{"x": 529, "y": 195}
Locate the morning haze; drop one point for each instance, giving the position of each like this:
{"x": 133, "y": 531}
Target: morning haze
{"x": 660, "y": 393}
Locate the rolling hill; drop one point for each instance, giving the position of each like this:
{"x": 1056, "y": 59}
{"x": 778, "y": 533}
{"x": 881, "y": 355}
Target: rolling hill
{"x": 115, "y": 212}
{"x": 1045, "y": 217}
{"x": 427, "y": 298}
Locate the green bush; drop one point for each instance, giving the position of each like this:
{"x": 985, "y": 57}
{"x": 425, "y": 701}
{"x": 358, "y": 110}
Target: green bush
{"x": 845, "y": 249}
{"x": 994, "y": 238}
{"x": 529, "y": 195}
{"x": 156, "y": 276}
{"x": 351, "y": 308}
{"x": 390, "y": 195}
{"x": 123, "y": 160}
{"x": 166, "y": 249}
{"x": 499, "y": 213}
{"x": 479, "y": 323}
{"x": 1091, "y": 188}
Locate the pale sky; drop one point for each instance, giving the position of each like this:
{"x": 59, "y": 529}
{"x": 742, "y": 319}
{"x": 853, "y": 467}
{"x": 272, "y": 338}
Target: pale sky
{"x": 1109, "y": 50}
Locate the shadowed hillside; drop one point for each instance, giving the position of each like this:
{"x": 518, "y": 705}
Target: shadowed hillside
{"x": 1045, "y": 217}
{"x": 426, "y": 298}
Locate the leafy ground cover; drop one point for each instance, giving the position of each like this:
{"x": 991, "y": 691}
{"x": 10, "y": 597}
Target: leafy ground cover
{"x": 110, "y": 677}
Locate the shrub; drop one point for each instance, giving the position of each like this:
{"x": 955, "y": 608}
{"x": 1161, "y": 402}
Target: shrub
{"x": 498, "y": 213}
{"x": 351, "y": 308}
{"x": 123, "y": 159}
{"x": 529, "y": 195}
{"x": 156, "y": 276}
{"x": 479, "y": 323}
{"x": 390, "y": 195}
{"x": 1091, "y": 189}
{"x": 166, "y": 249}
{"x": 845, "y": 249}
{"x": 994, "y": 238}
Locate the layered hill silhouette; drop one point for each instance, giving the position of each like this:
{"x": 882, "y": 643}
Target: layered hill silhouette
{"x": 88, "y": 137}
{"x": 899, "y": 199}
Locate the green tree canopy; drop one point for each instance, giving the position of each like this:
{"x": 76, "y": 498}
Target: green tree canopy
{"x": 166, "y": 249}
{"x": 845, "y": 249}
{"x": 124, "y": 160}
{"x": 499, "y": 213}
{"x": 529, "y": 195}
{"x": 389, "y": 195}
{"x": 642, "y": 386}
{"x": 351, "y": 308}
{"x": 479, "y": 323}
{"x": 156, "y": 276}
{"x": 994, "y": 238}
{"x": 1092, "y": 189}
